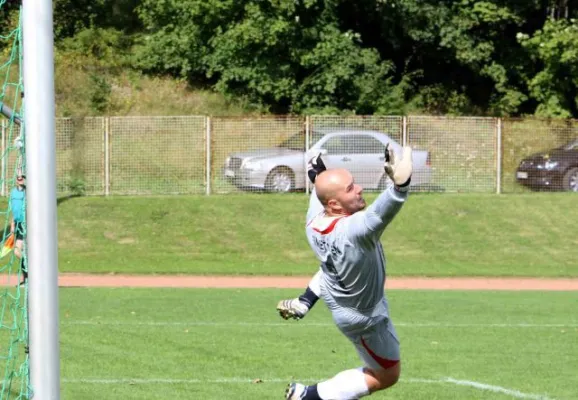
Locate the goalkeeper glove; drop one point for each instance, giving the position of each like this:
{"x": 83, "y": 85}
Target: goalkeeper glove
{"x": 315, "y": 166}
{"x": 399, "y": 171}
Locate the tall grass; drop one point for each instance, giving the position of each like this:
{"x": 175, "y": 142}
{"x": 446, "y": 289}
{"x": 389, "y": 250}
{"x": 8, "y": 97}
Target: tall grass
{"x": 132, "y": 93}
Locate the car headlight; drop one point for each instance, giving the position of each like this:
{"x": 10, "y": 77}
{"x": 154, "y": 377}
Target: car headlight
{"x": 252, "y": 165}
{"x": 550, "y": 165}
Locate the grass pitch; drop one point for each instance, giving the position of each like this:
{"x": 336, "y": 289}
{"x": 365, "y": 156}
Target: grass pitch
{"x": 216, "y": 344}
{"x": 433, "y": 235}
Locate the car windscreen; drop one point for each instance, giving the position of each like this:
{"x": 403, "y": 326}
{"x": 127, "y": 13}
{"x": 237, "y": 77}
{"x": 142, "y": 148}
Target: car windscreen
{"x": 297, "y": 141}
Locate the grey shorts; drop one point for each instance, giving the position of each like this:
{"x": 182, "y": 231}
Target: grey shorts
{"x": 377, "y": 346}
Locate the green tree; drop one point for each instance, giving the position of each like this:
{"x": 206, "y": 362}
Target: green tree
{"x": 555, "y": 85}
{"x": 291, "y": 56}
{"x": 462, "y": 56}
{"x": 177, "y": 34}
{"x": 489, "y": 57}
{"x": 73, "y": 16}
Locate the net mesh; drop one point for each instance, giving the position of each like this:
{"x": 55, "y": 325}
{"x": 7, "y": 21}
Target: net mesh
{"x": 460, "y": 152}
{"x": 13, "y": 295}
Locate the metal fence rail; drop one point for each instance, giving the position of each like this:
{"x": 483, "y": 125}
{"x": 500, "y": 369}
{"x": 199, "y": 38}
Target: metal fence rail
{"x": 212, "y": 155}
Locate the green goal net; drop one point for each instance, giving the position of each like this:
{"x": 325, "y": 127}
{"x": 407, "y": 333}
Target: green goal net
{"x": 13, "y": 286}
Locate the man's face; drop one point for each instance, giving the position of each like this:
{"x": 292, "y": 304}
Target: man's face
{"x": 21, "y": 181}
{"x": 350, "y": 196}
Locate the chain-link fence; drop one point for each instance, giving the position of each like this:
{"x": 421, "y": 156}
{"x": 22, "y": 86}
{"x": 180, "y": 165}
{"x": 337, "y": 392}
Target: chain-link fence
{"x": 80, "y": 155}
{"x": 203, "y": 155}
{"x": 256, "y": 154}
{"x": 156, "y": 155}
{"x": 357, "y": 144}
{"x": 539, "y": 155}
{"x": 460, "y": 153}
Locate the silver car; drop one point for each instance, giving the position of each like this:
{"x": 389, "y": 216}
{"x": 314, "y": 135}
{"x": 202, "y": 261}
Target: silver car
{"x": 282, "y": 169}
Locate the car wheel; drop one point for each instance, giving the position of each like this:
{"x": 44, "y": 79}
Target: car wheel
{"x": 571, "y": 180}
{"x": 280, "y": 179}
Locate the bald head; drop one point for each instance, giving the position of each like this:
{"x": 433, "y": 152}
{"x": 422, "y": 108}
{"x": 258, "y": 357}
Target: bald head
{"x": 331, "y": 183}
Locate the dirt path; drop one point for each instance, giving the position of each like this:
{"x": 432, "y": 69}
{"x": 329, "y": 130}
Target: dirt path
{"x": 188, "y": 281}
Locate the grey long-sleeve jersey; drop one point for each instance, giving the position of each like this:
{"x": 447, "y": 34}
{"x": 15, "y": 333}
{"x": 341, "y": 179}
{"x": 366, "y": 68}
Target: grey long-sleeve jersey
{"x": 352, "y": 258}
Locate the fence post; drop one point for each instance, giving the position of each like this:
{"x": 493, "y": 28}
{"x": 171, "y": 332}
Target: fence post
{"x": 307, "y": 144}
{"x": 106, "y": 156}
{"x": 499, "y": 156}
{"x": 404, "y": 131}
{"x": 208, "y": 155}
{"x": 4, "y": 157}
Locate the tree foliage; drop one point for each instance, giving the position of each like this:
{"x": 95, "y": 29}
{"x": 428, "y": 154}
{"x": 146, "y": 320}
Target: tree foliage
{"x": 555, "y": 85}
{"x": 486, "y": 57}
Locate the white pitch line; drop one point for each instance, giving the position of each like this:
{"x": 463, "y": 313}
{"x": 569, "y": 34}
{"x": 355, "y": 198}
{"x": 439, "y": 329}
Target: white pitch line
{"x": 154, "y": 381}
{"x": 497, "y": 389}
{"x": 299, "y": 324}
{"x": 238, "y": 380}
{"x": 232, "y": 380}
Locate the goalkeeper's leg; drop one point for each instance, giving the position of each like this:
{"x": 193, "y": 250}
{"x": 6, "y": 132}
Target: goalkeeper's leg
{"x": 298, "y": 307}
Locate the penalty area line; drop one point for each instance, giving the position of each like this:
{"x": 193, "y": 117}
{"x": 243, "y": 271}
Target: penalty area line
{"x": 289, "y": 324}
{"x": 239, "y": 380}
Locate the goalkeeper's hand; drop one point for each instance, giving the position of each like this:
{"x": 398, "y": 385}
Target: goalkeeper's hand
{"x": 399, "y": 171}
{"x": 315, "y": 166}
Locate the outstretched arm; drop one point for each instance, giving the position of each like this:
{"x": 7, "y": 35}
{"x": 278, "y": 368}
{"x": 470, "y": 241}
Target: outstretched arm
{"x": 298, "y": 307}
{"x": 315, "y": 166}
{"x": 371, "y": 223}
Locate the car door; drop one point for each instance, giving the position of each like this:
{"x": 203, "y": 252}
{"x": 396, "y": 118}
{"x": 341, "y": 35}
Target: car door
{"x": 335, "y": 149}
{"x": 368, "y": 153}
{"x": 361, "y": 154}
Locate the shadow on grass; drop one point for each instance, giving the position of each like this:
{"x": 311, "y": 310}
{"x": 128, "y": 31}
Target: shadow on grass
{"x": 62, "y": 199}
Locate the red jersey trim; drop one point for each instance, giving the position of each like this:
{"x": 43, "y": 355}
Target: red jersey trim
{"x": 330, "y": 228}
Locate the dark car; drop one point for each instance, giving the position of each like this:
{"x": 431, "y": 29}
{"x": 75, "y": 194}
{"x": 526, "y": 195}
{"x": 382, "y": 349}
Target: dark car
{"x": 556, "y": 169}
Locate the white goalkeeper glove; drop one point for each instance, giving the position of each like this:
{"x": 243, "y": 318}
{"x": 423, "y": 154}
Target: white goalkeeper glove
{"x": 399, "y": 171}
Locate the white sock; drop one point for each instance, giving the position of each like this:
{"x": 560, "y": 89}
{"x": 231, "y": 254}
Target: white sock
{"x": 346, "y": 385}
{"x": 314, "y": 284}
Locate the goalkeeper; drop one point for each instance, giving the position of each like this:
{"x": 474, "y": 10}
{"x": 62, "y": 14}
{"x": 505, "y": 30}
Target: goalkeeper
{"x": 345, "y": 236}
